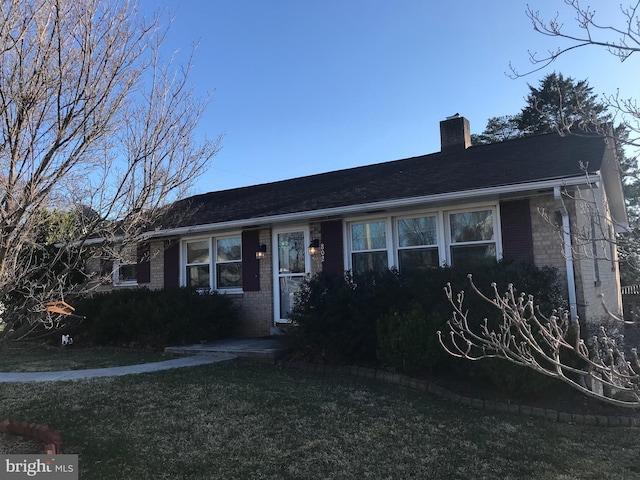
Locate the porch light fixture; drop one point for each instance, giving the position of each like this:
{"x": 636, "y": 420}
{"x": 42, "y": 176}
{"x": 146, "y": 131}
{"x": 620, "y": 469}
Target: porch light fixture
{"x": 314, "y": 247}
{"x": 262, "y": 251}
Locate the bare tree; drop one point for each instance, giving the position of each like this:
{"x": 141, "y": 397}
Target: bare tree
{"x": 622, "y": 40}
{"x": 550, "y": 345}
{"x": 582, "y": 29}
{"x": 94, "y": 125}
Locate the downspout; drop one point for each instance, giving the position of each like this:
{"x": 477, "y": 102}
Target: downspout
{"x": 568, "y": 253}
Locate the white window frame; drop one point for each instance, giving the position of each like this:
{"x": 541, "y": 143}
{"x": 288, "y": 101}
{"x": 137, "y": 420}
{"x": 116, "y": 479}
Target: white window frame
{"x": 437, "y": 246}
{"x": 497, "y": 233}
{"x": 215, "y": 262}
{"x": 443, "y": 232}
{"x": 213, "y": 257}
{"x": 388, "y": 239}
{"x": 184, "y": 260}
{"x": 117, "y": 264}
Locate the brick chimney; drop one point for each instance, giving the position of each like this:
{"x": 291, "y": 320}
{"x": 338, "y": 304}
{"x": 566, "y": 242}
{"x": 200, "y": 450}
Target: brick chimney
{"x": 455, "y": 134}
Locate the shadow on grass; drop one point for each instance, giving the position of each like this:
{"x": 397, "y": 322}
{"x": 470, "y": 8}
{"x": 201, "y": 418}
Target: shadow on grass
{"x": 239, "y": 420}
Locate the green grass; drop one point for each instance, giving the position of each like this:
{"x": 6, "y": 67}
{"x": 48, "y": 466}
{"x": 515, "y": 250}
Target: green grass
{"x": 17, "y": 445}
{"x": 23, "y": 357}
{"x": 235, "y": 420}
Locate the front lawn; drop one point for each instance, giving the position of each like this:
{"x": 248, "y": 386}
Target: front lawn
{"x": 25, "y": 357}
{"x": 234, "y": 420}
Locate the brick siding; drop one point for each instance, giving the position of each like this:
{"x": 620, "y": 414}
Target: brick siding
{"x": 157, "y": 266}
{"x": 549, "y": 250}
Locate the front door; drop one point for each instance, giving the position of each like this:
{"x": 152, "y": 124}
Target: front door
{"x": 291, "y": 267}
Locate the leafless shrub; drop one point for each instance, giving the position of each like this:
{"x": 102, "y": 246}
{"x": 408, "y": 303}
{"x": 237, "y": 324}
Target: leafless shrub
{"x": 550, "y": 345}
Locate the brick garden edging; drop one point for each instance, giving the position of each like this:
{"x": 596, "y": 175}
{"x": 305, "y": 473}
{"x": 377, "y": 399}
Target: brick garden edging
{"x": 52, "y": 444}
{"x": 488, "y": 405}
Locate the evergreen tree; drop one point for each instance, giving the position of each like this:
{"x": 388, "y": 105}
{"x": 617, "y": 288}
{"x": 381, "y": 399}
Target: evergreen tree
{"x": 559, "y": 104}
{"x": 498, "y": 129}
{"x": 562, "y": 105}
{"x": 567, "y": 106}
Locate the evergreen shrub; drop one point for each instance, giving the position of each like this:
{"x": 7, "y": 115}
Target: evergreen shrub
{"x": 406, "y": 341}
{"x": 334, "y": 317}
{"x": 392, "y": 317}
{"x": 156, "y": 318}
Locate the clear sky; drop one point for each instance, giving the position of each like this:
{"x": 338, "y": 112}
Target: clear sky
{"x": 308, "y": 86}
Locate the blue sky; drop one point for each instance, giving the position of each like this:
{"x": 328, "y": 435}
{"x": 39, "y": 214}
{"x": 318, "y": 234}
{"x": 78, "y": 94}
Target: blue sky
{"x": 302, "y": 87}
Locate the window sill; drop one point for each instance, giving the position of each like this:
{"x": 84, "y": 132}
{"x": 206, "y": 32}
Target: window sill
{"x": 230, "y": 291}
{"x": 220, "y": 291}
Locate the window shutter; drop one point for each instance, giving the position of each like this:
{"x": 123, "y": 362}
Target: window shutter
{"x": 171, "y": 264}
{"x": 250, "y": 264}
{"x": 331, "y": 233}
{"x": 517, "y": 238}
{"x": 143, "y": 259}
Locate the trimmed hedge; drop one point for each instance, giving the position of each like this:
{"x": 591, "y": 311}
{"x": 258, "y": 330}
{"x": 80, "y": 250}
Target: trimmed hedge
{"x": 392, "y": 318}
{"x": 406, "y": 340}
{"x": 335, "y": 318}
{"x": 154, "y": 319}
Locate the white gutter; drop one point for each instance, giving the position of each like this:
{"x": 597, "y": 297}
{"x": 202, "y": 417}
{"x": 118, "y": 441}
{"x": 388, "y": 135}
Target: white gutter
{"x": 362, "y": 208}
{"x": 568, "y": 254}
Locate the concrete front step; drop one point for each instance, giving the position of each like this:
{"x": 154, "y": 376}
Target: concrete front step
{"x": 263, "y": 349}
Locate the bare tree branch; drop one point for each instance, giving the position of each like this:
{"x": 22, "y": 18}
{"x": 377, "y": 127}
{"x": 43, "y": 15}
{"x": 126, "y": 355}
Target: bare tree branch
{"x": 521, "y": 335}
{"x": 621, "y": 40}
{"x": 94, "y": 124}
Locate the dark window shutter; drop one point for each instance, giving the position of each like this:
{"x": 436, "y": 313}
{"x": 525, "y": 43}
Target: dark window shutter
{"x": 517, "y": 239}
{"x": 172, "y": 264}
{"x": 250, "y": 264}
{"x": 331, "y": 233}
{"x": 143, "y": 259}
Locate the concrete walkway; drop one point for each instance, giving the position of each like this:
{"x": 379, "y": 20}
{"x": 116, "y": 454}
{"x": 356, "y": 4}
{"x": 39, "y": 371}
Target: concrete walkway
{"x": 265, "y": 349}
{"x": 112, "y": 371}
{"x": 259, "y": 349}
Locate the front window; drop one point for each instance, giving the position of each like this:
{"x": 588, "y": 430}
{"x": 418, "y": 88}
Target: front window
{"x": 417, "y": 243}
{"x": 198, "y": 260}
{"x": 472, "y": 236}
{"x": 125, "y": 273}
{"x": 423, "y": 240}
{"x": 369, "y": 246}
{"x": 229, "y": 263}
{"x": 217, "y": 269}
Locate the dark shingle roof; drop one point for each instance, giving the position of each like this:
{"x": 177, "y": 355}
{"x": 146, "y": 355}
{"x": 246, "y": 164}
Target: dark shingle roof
{"x": 524, "y": 160}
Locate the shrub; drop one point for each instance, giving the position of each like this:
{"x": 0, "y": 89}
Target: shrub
{"x": 342, "y": 319}
{"x": 521, "y": 380}
{"x": 407, "y": 341}
{"x": 511, "y": 378}
{"x": 335, "y": 318}
{"x": 543, "y": 283}
{"x": 156, "y": 318}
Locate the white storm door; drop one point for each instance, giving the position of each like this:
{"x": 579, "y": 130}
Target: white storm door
{"x": 291, "y": 268}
